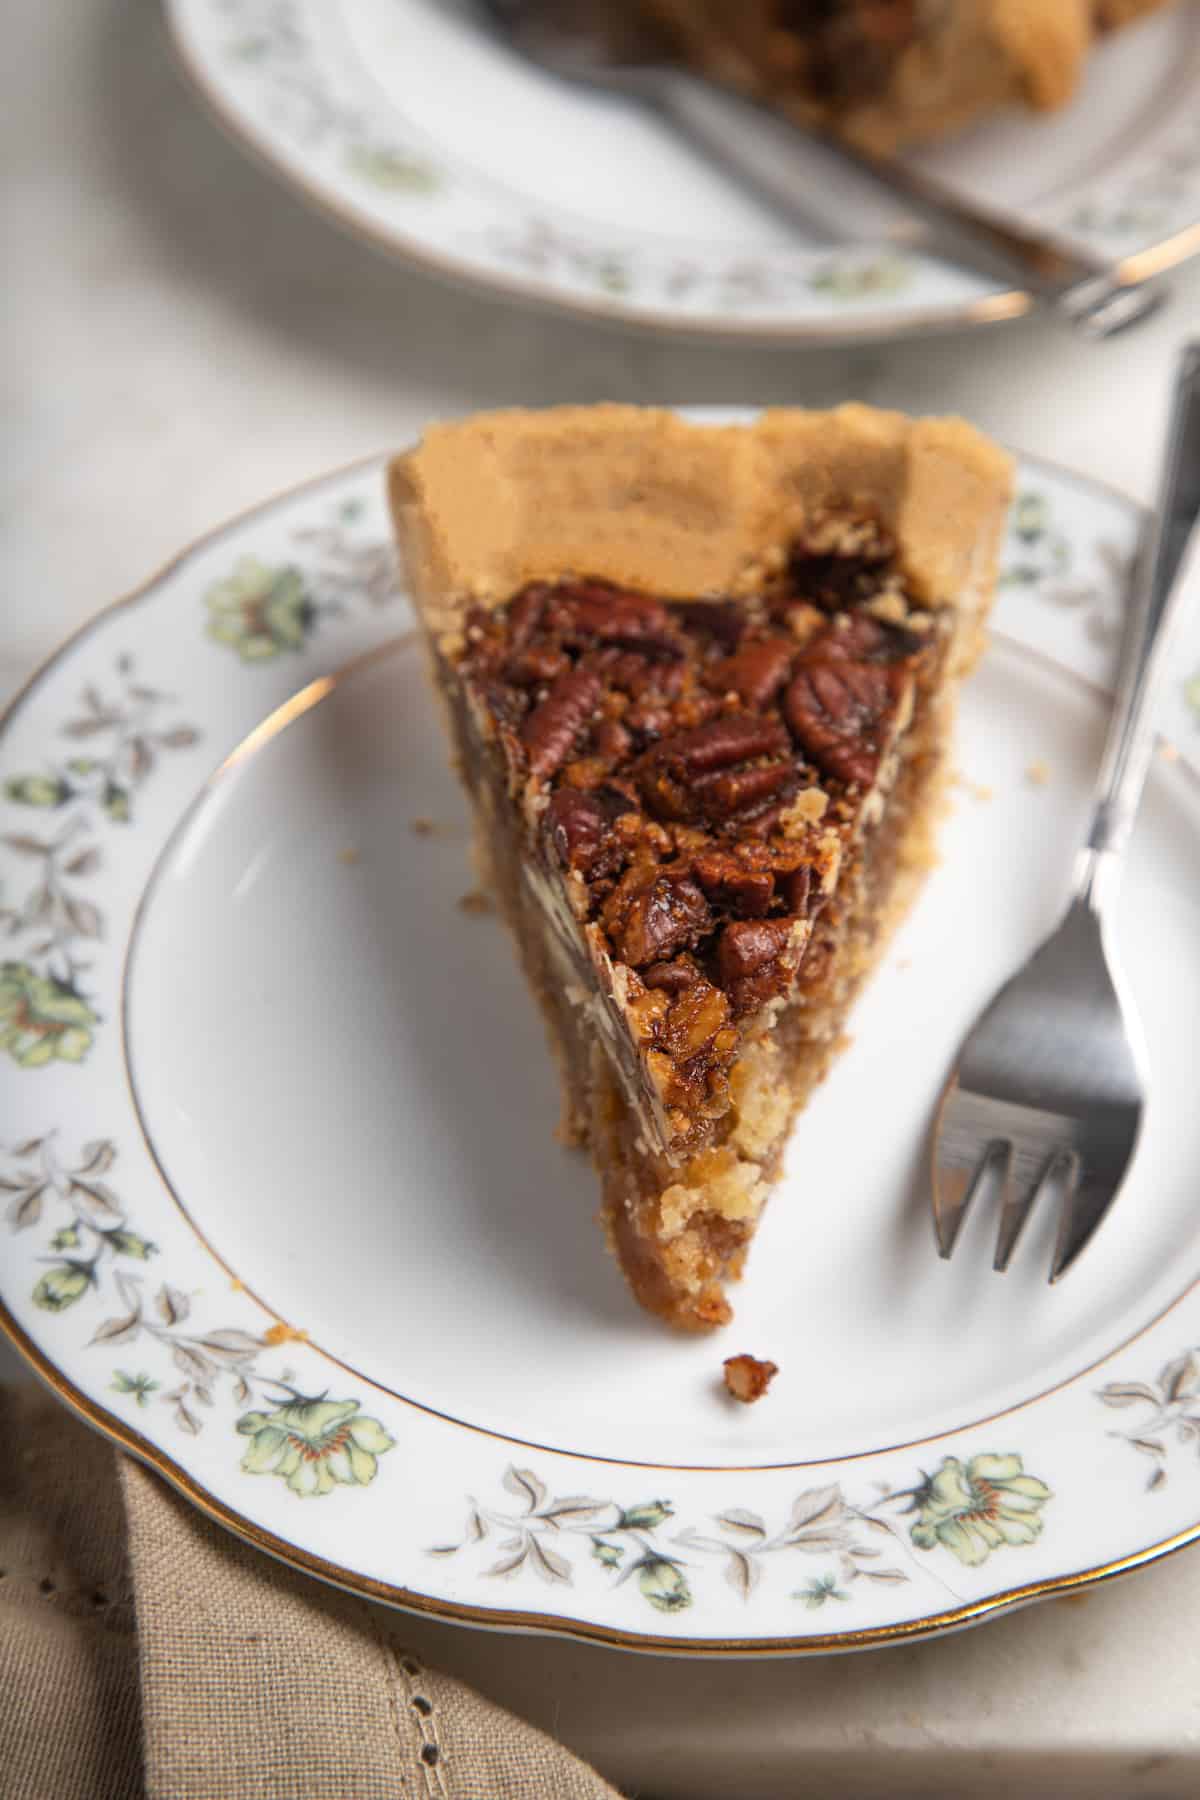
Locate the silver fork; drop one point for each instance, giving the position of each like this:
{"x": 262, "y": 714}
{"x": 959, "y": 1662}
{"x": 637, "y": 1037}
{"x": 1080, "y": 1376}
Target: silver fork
{"x": 1049, "y": 1088}
{"x": 814, "y": 181}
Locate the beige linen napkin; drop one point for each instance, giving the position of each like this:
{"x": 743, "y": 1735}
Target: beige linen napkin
{"x": 145, "y": 1652}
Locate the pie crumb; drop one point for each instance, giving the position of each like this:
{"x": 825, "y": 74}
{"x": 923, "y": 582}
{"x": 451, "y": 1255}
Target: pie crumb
{"x": 474, "y": 902}
{"x": 281, "y": 1333}
{"x": 1168, "y": 752}
{"x": 978, "y": 790}
{"x": 747, "y": 1378}
{"x": 421, "y": 827}
{"x": 349, "y": 855}
{"x": 1037, "y": 774}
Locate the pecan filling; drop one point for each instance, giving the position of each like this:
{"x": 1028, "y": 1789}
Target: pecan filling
{"x": 696, "y": 770}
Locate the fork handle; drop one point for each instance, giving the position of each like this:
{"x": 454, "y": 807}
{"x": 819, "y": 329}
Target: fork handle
{"x": 817, "y": 182}
{"x": 1168, "y": 558}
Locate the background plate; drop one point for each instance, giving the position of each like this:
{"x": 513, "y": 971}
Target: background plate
{"x": 408, "y": 125}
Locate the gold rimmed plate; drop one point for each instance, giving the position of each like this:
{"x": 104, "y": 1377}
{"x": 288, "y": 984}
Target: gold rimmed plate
{"x": 407, "y": 125}
{"x": 286, "y": 1217}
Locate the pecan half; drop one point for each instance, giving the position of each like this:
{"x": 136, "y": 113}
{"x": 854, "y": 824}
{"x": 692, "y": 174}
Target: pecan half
{"x": 740, "y": 790}
{"x": 671, "y": 775}
{"x": 838, "y": 713}
{"x": 757, "y": 672}
{"x": 550, "y": 731}
{"x": 614, "y": 616}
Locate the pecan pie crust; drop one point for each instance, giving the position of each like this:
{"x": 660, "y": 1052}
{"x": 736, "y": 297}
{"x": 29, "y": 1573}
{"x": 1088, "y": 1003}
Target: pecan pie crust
{"x": 700, "y": 684}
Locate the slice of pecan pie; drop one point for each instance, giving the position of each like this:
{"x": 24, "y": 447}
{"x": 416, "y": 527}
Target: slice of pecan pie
{"x": 700, "y": 685}
{"x": 890, "y": 72}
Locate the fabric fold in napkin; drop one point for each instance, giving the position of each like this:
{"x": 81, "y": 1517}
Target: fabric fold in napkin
{"x": 144, "y": 1651}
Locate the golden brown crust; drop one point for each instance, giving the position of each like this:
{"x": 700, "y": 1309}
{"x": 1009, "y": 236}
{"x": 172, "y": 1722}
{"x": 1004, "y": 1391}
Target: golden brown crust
{"x": 638, "y": 495}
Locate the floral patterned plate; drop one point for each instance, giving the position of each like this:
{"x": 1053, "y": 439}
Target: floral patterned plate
{"x": 284, "y": 1213}
{"x": 403, "y": 122}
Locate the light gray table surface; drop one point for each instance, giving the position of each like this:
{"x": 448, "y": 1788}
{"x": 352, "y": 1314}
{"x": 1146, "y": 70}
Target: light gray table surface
{"x": 183, "y": 338}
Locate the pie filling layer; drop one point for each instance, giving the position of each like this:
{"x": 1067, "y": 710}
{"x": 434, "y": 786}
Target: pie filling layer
{"x": 701, "y": 817}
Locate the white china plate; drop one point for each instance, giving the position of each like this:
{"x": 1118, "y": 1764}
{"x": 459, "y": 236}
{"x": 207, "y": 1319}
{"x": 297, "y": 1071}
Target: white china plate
{"x": 401, "y": 120}
{"x": 285, "y": 1215}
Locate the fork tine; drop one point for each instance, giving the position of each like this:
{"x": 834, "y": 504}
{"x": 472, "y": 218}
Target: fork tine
{"x": 1083, "y": 1210}
{"x": 1016, "y": 1211}
{"x": 954, "y": 1189}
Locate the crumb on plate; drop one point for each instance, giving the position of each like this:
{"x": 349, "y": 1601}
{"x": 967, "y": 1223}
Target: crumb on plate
{"x": 281, "y": 1333}
{"x": 348, "y": 856}
{"x": 1037, "y": 773}
{"x": 747, "y": 1377}
{"x": 978, "y": 790}
{"x": 422, "y": 827}
{"x": 475, "y": 902}
{"x": 1168, "y": 752}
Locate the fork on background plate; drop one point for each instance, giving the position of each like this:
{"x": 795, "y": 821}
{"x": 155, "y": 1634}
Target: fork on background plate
{"x": 1049, "y": 1089}
{"x": 819, "y": 183}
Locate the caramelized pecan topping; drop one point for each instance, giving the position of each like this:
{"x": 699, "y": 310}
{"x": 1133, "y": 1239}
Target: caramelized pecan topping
{"x": 550, "y": 730}
{"x": 839, "y": 711}
{"x": 664, "y": 748}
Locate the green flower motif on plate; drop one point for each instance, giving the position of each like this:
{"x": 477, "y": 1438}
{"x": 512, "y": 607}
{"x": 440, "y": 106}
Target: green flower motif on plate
{"x": 128, "y": 1243}
{"x": 394, "y": 169}
{"x": 38, "y": 790}
{"x": 815, "y": 1593}
{"x": 141, "y": 1386}
{"x": 62, "y": 1286}
{"x": 259, "y": 611}
{"x": 851, "y": 280}
{"x": 41, "y": 1018}
{"x": 975, "y": 1509}
{"x": 314, "y": 1444}
{"x": 663, "y": 1583}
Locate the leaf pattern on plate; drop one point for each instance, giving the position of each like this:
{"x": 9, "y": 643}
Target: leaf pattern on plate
{"x": 272, "y": 37}
{"x": 314, "y": 1443}
{"x": 1169, "y": 1415}
{"x": 970, "y": 1509}
{"x": 262, "y": 610}
{"x": 1040, "y": 555}
{"x": 46, "y": 1012}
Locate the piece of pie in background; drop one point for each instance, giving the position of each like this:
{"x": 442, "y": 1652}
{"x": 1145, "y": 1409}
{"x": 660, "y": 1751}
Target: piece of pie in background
{"x": 886, "y": 73}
